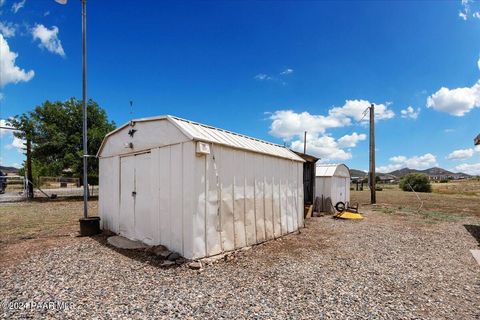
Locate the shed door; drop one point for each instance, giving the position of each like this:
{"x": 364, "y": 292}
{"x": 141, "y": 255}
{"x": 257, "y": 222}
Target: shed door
{"x": 143, "y": 198}
{"x": 136, "y": 208}
{"x": 127, "y": 204}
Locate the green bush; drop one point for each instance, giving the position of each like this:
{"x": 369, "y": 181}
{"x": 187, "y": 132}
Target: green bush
{"x": 418, "y": 181}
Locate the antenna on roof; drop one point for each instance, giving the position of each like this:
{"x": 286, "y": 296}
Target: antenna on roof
{"x": 131, "y": 109}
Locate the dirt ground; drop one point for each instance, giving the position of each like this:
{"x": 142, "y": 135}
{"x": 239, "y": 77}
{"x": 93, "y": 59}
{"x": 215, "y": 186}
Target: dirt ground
{"x": 27, "y": 228}
{"x": 398, "y": 263}
{"x": 388, "y": 266}
{"x": 31, "y": 227}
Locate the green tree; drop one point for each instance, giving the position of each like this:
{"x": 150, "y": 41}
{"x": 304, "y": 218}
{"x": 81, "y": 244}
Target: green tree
{"x": 418, "y": 181}
{"x": 55, "y": 129}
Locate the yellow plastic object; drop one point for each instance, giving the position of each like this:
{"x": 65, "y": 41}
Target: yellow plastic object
{"x": 349, "y": 215}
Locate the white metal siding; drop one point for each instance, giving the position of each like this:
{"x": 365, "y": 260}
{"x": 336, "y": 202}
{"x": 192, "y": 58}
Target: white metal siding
{"x": 246, "y": 214}
{"x": 148, "y": 135}
{"x": 109, "y": 192}
{"x": 175, "y": 193}
{"x": 194, "y": 204}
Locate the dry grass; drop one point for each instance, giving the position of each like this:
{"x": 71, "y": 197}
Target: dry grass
{"x": 38, "y": 219}
{"x": 461, "y": 187}
{"x": 30, "y": 227}
{"x": 447, "y": 201}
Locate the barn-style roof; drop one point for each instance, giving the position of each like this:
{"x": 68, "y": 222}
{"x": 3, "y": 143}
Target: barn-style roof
{"x": 201, "y": 132}
{"x": 330, "y": 170}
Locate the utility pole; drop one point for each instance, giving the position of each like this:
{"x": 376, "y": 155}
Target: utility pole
{"x": 373, "y": 198}
{"x": 305, "y": 143}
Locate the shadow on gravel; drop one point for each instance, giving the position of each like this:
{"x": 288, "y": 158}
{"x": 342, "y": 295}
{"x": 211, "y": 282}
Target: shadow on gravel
{"x": 140, "y": 255}
{"x": 474, "y": 231}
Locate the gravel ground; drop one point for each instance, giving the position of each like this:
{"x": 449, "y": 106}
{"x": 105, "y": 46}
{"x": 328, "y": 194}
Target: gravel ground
{"x": 387, "y": 266}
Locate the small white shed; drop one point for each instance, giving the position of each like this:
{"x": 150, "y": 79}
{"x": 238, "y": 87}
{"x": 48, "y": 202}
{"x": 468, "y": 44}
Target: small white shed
{"x": 196, "y": 189}
{"x": 332, "y": 185}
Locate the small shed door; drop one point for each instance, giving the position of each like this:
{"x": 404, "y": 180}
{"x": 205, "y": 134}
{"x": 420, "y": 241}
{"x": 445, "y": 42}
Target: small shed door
{"x": 136, "y": 220}
{"x": 143, "y": 198}
{"x": 127, "y": 204}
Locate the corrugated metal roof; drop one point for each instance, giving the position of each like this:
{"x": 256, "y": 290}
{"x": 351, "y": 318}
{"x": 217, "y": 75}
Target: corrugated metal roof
{"x": 201, "y": 132}
{"x": 330, "y": 170}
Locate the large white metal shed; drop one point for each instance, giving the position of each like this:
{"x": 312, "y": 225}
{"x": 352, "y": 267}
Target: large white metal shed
{"x": 332, "y": 185}
{"x": 196, "y": 189}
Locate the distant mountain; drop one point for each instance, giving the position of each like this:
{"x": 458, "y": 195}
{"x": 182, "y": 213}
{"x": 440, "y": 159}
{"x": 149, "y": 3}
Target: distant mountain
{"x": 403, "y": 172}
{"x": 9, "y": 169}
{"x": 358, "y": 173}
{"x": 355, "y": 173}
{"x": 434, "y": 173}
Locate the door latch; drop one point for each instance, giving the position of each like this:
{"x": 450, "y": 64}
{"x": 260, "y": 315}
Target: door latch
{"x": 134, "y": 193}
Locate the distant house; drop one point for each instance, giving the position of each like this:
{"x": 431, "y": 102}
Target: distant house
{"x": 387, "y": 178}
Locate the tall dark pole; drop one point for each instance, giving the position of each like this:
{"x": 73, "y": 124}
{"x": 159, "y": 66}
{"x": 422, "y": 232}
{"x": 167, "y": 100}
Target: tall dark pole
{"x": 373, "y": 198}
{"x": 305, "y": 143}
{"x": 84, "y": 102}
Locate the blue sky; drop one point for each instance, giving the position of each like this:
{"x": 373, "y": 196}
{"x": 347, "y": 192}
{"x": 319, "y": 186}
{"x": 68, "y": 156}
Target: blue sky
{"x": 270, "y": 70}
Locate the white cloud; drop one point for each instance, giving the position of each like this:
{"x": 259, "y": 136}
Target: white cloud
{"x": 17, "y": 143}
{"x": 262, "y": 76}
{"x": 7, "y": 29}
{"x": 286, "y": 71}
{"x": 286, "y": 123}
{"x": 410, "y": 113}
{"x": 463, "y": 154}
{"x": 355, "y": 109}
{"x": 468, "y": 168}
{"x": 18, "y": 5}
{"x": 457, "y": 101}
{"x": 4, "y": 123}
{"x": 46, "y": 13}
{"x": 463, "y": 14}
{"x": 290, "y": 126}
{"x": 324, "y": 147}
{"x": 425, "y": 161}
{"x": 9, "y": 72}
{"x": 448, "y": 130}
{"x": 48, "y": 39}
{"x": 350, "y": 141}
{"x": 476, "y": 14}
{"x": 2, "y": 2}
